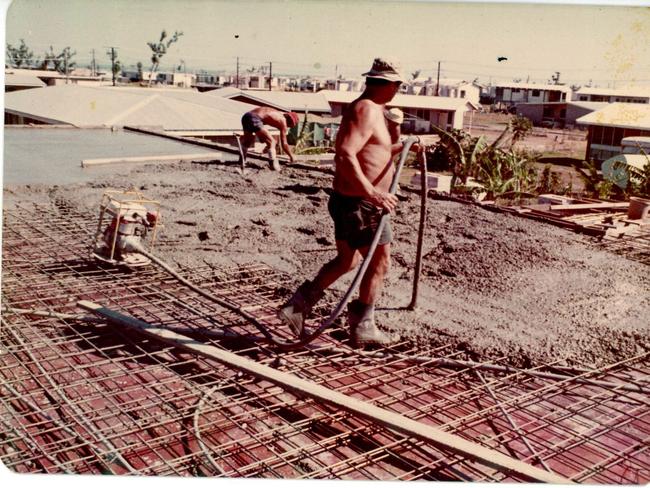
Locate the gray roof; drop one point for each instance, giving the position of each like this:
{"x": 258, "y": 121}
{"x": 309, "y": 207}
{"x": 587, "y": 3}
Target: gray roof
{"x": 91, "y": 106}
{"x": 405, "y": 101}
{"x": 296, "y": 101}
{"x": 12, "y": 79}
{"x": 626, "y": 115}
{"x": 640, "y": 91}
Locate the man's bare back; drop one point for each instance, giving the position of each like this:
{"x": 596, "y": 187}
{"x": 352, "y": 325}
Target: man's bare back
{"x": 271, "y": 117}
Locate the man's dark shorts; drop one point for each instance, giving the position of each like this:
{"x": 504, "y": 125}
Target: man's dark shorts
{"x": 251, "y": 122}
{"x": 356, "y": 221}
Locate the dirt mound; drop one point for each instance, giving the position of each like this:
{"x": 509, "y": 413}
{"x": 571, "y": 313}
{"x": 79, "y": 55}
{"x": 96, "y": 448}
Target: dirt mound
{"x": 493, "y": 285}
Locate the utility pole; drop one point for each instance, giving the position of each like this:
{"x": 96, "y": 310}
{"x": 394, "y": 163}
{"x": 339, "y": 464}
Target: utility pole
{"x": 270, "y": 74}
{"x": 65, "y": 65}
{"x": 94, "y": 66}
{"x": 438, "y": 80}
{"x": 237, "y": 78}
{"x": 113, "y": 56}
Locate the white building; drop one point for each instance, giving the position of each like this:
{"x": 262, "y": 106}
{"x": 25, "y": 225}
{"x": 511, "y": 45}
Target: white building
{"x": 420, "y": 112}
{"x": 509, "y": 94}
{"x": 175, "y": 78}
{"x": 609, "y": 125}
{"x": 609, "y": 95}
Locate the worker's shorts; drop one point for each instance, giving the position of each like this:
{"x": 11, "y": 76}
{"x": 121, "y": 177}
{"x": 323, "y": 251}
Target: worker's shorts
{"x": 251, "y": 122}
{"x": 356, "y": 221}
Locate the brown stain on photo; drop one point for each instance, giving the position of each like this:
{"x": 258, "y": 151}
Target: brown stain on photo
{"x": 629, "y": 46}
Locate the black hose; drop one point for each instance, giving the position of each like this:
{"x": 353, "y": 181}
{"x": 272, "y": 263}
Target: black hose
{"x": 305, "y": 339}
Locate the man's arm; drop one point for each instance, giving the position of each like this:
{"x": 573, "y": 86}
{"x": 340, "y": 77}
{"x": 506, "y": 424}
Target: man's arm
{"x": 396, "y": 148}
{"x": 354, "y": 140}
{"x": 283, "y": 141}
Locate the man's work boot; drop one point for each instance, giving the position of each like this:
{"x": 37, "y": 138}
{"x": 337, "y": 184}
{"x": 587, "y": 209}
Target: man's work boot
{"x": 297, "y": 308}
{"x": 363, "y": 329}
{"x": 275, "y": 165}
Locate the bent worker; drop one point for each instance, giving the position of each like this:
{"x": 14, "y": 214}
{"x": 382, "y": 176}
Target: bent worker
{"x": 253, "y": 124}
{"x": 363, "y": 174}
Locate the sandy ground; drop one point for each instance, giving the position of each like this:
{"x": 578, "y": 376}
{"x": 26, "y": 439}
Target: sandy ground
{"x": 559, "y": 142}
{"x": 493, "y": 285}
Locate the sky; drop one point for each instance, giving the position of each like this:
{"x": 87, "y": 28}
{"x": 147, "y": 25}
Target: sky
{"x": 607, "y": 44}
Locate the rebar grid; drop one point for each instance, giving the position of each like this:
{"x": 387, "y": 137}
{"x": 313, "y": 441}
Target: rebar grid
{"x": 635, "y": 246}
{"x": 90, "y": 398}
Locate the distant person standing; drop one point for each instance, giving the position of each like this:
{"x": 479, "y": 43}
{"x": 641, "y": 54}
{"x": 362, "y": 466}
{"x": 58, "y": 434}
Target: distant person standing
{"x": 253, "y": 124}
{"x": 362, "y": 179}
{"x": 327, "y": 135}
{"x": 395, "y": 118}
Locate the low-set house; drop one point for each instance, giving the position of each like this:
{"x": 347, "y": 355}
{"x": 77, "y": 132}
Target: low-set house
{"x": 611, "y": 95}
{"x": 557, "y": 114}
{"x": 609, "y": 125}
{"x": 420, "y": 112}
{"x": 446, "y": 87}
{"x": 16, "y": 82}
{"x": 300, "y": 102}
{"x": 174, "y": 111}
{"x": 506, "y": 95}
{"x": 80, "y": 76}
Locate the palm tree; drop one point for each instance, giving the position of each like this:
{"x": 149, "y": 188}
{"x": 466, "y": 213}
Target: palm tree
{"x": 159, "y": 49}
{"x": 520, "y": 127}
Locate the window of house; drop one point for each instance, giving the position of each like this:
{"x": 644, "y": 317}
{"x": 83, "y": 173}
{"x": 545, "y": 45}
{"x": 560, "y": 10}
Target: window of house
{"x": 535, "y": 93}
{"x": 462, "y": 94}
{"x": 515, "y": 90}
{"x": 608, "y": 136}
{"x": 584, "y": 98}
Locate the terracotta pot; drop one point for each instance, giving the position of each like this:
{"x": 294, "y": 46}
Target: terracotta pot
{"x": 639, "y": 209}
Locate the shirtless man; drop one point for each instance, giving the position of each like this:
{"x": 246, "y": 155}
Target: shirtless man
{"x": 364, "y": 171}
{"x": 253, "y": 123}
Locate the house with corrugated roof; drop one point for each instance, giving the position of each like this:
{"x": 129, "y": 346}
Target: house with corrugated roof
{"x": 301, "y": 102}
{"x": 15, "y": 82}
{"x": 507, "y": 95}
{"x": 557, "y": 114}
{"x": 174, "y": 111}
{"x": 445, "y": 87}
{"x": 420, "y": 112}
{"x": 611, "y": 95}
{"x": 609, "y": 125}
{"x": 80, "y": 76}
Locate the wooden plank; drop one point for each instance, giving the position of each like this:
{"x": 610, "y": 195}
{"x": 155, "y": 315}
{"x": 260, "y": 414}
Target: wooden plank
{"x": 303, "y": 388}
{"x": 589, "y": 206}
{"x": 148, "y": 159}
{"x": 203, "y": 143}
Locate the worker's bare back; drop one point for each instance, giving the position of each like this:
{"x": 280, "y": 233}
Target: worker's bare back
{"x": 270, "y": 116}
{"x": 363, "y": 141}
